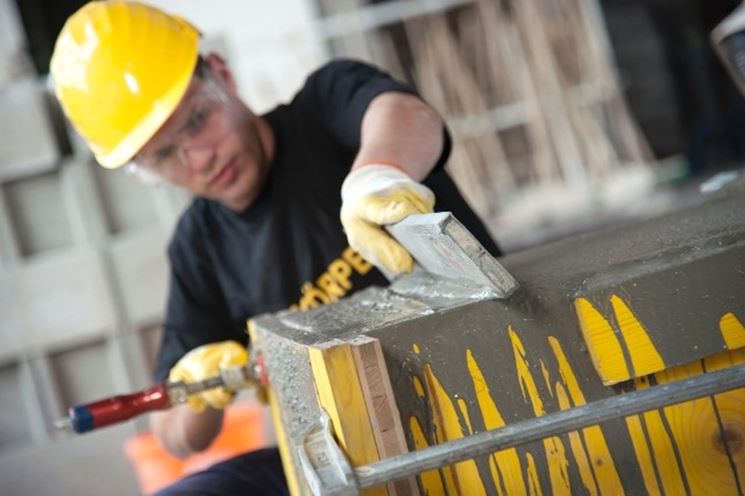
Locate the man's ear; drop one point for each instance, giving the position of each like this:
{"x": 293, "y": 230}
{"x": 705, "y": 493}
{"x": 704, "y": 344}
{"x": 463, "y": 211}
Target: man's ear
{"x": 219, "y": 67}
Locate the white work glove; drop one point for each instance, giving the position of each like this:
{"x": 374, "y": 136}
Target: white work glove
{"x": 205, "y": 362}
{"x": 374, "y": 196}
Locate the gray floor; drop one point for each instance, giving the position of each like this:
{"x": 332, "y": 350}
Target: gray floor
{"x": 90, "y": 465}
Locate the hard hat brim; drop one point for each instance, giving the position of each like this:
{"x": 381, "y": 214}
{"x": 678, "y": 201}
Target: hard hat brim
{"x": 140, "y": 135}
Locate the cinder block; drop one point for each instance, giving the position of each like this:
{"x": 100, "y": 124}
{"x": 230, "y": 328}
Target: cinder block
{"x": 128, "y": 204}
{"x": 83, "y": 373}
{"x": 141, "y": 269}
{"x": 57, "y": 301}
{"x": 14, "y": 428}
{"x": 28, "y": 145}
{"x": 37, "y": 214}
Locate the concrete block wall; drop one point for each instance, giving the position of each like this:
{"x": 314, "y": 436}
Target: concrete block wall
{"x": 83, "y": 271}
{"x": 83, "y": 277}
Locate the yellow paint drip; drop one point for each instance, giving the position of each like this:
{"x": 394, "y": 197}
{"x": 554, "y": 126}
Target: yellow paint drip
{"x": 546, "y": 377}
{"x": 604, "y": 468}
{"x": 585, "y": 470}
{"x": 507, "y": 461}
{"x": 527, "y": 384}
{"x": 463, "y": 477}
{"x": 495, "y": 474}
{"x": 645, "y": 359}
{"x": 602, "y": 343}
{"x": 418, "y": 387}
{"x": 534, "y": 483}
{"x": 662, "y": 448}
{"x": 431, "y": 480}
{"x": 733, "y": 332}
{"x": 566, "y": 372}
{"x": 464, "y": 413}
{"x": 557, "y": 466}
{"x": 555, "y": 454}
{"x": 643, "y": 456}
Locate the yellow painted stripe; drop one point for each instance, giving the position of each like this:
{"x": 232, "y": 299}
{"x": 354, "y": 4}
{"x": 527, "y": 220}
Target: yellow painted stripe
{"x": 555, "y": 453}
{"x": 431, "y": 480}
{"x": 731, "y": 409}
{"x": 733, "y": 332}
{"x": 508, "y": 461}
{"x": 664, "y": 454}
{"x": 463, "y": 407}
{"x": 604, "y": 468}
{"x": 527, "y": 384}
{"x": 463, "y": 477}
{"x": 340, "y": 394}
{"x": 546, "y": 377}
{"x": 602, "y": 343}
{"x": 662, "y": 448}
{"x": 643, "y": 456}
{"x": 695, "y": 429}
{"x": 645, "y": 359}
{"x": 495, "y": 474}
{"x": 418, "y": 387}
{"x": 558, "y": 466}
{"x": 534, "y": 483}
{"x": 583, "y": 464}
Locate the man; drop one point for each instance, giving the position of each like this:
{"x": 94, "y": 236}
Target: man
{"x": 263, "y": 232}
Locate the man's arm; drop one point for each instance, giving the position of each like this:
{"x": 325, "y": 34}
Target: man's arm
{"x": 182, "y": 431}
{"x": 401, "y": 141}
{"x": 192, "y": 427}
{"x": 399, "y": 128}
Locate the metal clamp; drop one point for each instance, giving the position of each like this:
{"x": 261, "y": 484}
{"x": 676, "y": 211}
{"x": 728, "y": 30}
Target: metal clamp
{"x": 327, "y": 470}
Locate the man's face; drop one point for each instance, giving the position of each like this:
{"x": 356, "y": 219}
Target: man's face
{"x": 212, "y": 145}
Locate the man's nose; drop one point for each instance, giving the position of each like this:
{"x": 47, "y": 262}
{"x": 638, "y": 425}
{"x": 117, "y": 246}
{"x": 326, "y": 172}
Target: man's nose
{"x": 200, "y": 159}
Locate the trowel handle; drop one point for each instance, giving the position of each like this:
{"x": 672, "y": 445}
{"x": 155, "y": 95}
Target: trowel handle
{"x": 86, "y": 417}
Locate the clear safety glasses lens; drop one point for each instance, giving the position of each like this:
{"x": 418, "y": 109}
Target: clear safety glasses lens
{"x": 208, "y": 119}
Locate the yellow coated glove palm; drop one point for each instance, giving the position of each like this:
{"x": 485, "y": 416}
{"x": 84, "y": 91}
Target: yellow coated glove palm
{"x": 205, "y": 362}
{"x": 374, "y": 196}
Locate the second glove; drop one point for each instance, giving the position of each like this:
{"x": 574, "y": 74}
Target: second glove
{"x": 204, "y": 362}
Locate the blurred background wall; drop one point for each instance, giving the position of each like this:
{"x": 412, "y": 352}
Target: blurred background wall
{"x": 566, "y": 114}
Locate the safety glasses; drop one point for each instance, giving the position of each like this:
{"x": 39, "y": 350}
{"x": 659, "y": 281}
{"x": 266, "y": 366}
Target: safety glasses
{"x": 201, "y": 123}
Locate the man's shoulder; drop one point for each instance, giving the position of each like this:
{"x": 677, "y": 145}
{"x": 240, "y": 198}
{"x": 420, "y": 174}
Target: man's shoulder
{"x": 339, "y": 67}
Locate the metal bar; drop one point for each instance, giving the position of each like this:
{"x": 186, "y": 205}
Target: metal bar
{"x": 382, "y": 14}
{"x": 550, "y": 425}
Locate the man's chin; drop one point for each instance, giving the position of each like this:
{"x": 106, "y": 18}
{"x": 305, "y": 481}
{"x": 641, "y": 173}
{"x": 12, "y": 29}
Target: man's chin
{"x": 240, "y": 194}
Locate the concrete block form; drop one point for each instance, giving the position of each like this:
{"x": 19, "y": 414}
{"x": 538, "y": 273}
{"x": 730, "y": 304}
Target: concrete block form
{"x": 595, "y": 316}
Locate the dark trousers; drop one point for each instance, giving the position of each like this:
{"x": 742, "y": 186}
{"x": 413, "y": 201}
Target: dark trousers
{"x": 257, "y": 473}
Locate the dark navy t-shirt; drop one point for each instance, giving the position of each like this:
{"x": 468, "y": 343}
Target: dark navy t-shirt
{"x": 288, "y": 248}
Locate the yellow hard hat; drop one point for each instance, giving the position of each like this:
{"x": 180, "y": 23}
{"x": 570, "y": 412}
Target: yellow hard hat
{"x": 119, "y": 69}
